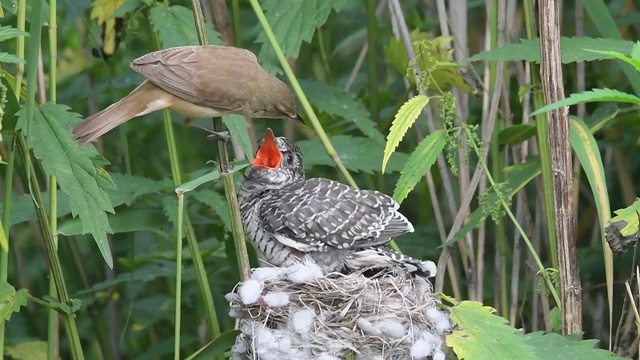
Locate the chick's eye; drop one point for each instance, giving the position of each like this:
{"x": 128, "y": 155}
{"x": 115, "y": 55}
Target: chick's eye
{"x": 288, "y": 159}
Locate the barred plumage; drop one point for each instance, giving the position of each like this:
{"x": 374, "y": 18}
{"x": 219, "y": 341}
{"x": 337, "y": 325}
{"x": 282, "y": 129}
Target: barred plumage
{"x": 288, "y": 218}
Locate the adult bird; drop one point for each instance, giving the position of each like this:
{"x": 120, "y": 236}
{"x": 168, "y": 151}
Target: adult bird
{"x": 197, "y": 82}
{"x": 289, "y": 218}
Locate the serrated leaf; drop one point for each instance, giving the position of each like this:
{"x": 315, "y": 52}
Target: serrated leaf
{"x": 420, "y": 161}
{"x": 552, "y": 346}
{"x": 616, "y": 55}
{"x": 573, "y": 50}
{"x": 595, "y": 95}
{"x": 28, "y": 350}
{"x": 217, "y": 202}
{"x": 357, "y": 154}
{"x": 8, "y": 32}
{"x": 403, "y": 120}
{"x": 334, "y": 101}
{"x": 11, "y": 300}
{"x": 170, "y": 209}
{"x": 485, "y": 336}
{"x": 175, "y": 26}
{"x": 292, "y": 22}
{"x": 10, "y": 58}
{"x": 629, "y": 215}
{"x": 51, "y": 141}
{"x": 239, "y": 130}
{"x": 517, "y": 176}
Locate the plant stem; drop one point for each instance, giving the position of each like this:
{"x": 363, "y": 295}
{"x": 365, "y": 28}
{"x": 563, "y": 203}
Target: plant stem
{"x": 6, "y": 217}
{"x": 372, "y": 37}
{"x": 176, "y": 340}
{"x": 324, "y": 139}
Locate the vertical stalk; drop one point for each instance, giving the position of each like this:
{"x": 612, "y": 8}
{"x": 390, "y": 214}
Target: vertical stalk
{"x": 52, "y": 328}
{"x": 6, "y": 215}
{"x": 372, "y": 37}
{"x": 176, "y": 340}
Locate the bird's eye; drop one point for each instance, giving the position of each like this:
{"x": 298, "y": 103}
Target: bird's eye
{"x": 289, "y": 158}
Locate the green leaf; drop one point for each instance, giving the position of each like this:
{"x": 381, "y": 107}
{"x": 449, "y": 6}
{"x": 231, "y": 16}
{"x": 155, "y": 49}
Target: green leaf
{"x": 595, "y": 95}
{"x": 28, "y": 350}
{"x": 403, "y": 120}
{"x": 125, "y": 220}
{"x": 50, "y": 139}
{"x": 11, "y": 107}
{"x": 175, "y": 26}
{"x": 334, "y": 101}
{"x": 4, "y": 243}
{"x": 420, "y": 161}
{"x": 516, "y": 134}
{"x": 8, "y": 32}
{"x": 239, "y": 130}
{"x": 170, "y": 208}
{"x": 357, "y": 154}
{"x": 217, "y": 202}
{"x": 624, "y": 228}
{"x": 11, "y": 300}
{"x": 484, "y": 336}
{"x": 616, "y": 55}
{"x": 211, "y": 176}
{"x": 10, "y": 58}
{"x": 517, "y": 176}
{"x": 292, "y": 21}
{"x": 573, "y": 50}
{"x": 217, "y": 346}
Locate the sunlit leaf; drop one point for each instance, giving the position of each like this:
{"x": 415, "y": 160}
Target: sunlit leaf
{"x": 51, "y": 141}
{"x": 334, "y": 101}
{"x": 403, "y": 120}
{"x": 595, "y": 95}
{"x": 292, "y": 22}
{"x": 102, "y": 11}
{"x": 419, "y": 163}
{"x": 11, "y": 300}
{"x": 28, "y": 350}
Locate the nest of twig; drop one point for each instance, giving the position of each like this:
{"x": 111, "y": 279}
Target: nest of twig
{"x": 297, "y": 313}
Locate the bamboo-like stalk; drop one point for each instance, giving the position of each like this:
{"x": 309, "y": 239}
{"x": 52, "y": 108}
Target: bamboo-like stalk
{"x": 372, "y": 56}
{"x": 6, "y": 217}
{"x": 176, "y": 340}
{"x": 52, "y": 329}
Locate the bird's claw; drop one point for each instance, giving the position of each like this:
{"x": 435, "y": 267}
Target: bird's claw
{"x": 215, "y": 135}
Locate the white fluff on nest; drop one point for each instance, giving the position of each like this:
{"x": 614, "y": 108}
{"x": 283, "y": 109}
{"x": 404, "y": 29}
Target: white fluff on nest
{"x": 297, "y": 313}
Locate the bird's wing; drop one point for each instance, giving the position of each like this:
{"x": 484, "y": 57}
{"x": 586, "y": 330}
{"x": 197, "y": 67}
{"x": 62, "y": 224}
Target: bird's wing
{"x": 318, "y": 214}
{"x": 219, "y": 77}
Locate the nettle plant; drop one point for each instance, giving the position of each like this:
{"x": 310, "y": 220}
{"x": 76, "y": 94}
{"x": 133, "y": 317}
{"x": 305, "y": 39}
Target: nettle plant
{"x": 435, "y": 74}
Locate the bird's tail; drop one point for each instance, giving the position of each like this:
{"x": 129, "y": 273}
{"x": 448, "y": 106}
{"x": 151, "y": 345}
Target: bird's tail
{"x": 383, "y": 257}
{"x": 142, "y": 100}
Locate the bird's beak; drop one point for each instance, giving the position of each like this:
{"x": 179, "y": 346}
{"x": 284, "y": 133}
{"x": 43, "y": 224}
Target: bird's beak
{"x": 268, "y": 156}
{"x": 299, "y": 118}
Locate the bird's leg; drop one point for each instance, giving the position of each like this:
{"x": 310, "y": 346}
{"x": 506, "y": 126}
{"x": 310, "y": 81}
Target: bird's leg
{"x": 213, "y": 135}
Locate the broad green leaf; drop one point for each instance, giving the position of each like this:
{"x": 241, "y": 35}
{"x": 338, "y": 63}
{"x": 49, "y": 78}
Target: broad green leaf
{"x": 10, "y": 58}
{"x": 28, "y": 350}
{"x": 211, "y": 176}
{"x": 215, "y": 201}
{"x": 125, "y": 220}
{"x": 292, "y": 22}
{"x": 517, "y": 176}
{"x": 601, "y": 116}
{"x": 630, "y": 216}
{"x": 573, "y": 50}
{"x": 481, "y": 335}
{"x": 239, "y": 130}
{"x": 51, "y": 141}
{"x": 175, "y": 26}
{"x": 595, "y": 95}
{"x": 403, "y": 120}
{"x": 624, "y": 228}
{"x": 217, "y": 346}
{"x": 334, "y": 101}
{"x": 419, "y": 163}
{"x": 516, "y": 134}
{"x": 552, "y": 346}
{"x": 357, "y": 154}
{"x": 11, "y": 300}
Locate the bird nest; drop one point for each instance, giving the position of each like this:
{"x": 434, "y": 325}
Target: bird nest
{"x": 298, "y": 313}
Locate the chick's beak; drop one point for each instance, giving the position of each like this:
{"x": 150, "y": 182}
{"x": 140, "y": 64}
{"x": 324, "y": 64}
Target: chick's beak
{"x": 268, "y": 156}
